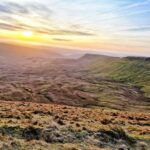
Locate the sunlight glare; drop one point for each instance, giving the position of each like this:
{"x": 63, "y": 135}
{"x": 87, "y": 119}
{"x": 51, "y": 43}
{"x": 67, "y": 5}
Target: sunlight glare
{"x": 27, "y": 33}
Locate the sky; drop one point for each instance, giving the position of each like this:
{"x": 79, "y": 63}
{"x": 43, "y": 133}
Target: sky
{"x": 119, "y": 26}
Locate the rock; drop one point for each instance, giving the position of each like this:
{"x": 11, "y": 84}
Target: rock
{"x": 78, "y": 125}
{"x": 73, "y": 148}
{"x": 142, "y": 146}
{"x": 15, "y": 145}
{"x": 60, "y": 122}
{"x": 52, "y": 136}
{"x": 123, "y": 147}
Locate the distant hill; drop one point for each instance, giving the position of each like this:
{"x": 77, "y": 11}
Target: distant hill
{"x": 12, "y": 50}
{"x": 93, "y": 57}
{"x": 132, "y": 70}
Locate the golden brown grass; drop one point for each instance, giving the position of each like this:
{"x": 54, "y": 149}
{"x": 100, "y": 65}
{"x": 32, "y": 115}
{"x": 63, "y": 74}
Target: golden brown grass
{"x": 82, "y": 121}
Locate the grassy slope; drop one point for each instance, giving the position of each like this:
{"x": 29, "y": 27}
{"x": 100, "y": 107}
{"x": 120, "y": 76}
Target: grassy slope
{"x": 132, "y": 71}
{"x": 50, "y": 126}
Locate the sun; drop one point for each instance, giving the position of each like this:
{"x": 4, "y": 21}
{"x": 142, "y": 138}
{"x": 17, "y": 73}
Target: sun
{"x": 27, "y": 33}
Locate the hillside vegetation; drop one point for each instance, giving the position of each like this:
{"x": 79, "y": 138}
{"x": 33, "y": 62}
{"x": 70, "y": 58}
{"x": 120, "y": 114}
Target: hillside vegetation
{"x": 58, "y": 127}
{"x": 91, "y": 81}
{"x": 134, "y": 71}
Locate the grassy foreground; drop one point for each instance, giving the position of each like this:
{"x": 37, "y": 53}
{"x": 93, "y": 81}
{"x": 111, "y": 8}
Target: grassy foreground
{"x": 58, "y": 127}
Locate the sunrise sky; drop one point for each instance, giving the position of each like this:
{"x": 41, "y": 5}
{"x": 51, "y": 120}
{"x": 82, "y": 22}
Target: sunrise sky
{"x": 121, "y": 26}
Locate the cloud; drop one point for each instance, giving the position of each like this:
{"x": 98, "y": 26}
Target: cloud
{"x": 39, "y": 10}
{"x": 104, "y": 20}
{"x": 63, "y": 40}
{"x": 25, "y": 9}
{"x": 4, "y": 9}
{"x": 10, "y": 7}
{"x": 10, "y": 27}
{"x": 68, "y": 32}
{"x": 126, "y": 9}
{"x": 19, "y": 26}
{"x": 63, "y": 32}
{"x": 139, "y": 29}
{"x": 134, "y": 4}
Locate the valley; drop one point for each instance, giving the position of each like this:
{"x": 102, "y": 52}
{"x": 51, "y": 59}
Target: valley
{"x": 77, "y": 82}
{"x": 92, "y": 102}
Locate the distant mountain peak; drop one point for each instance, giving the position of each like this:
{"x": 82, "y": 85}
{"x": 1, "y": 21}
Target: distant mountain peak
{"x": 93, "y": 56}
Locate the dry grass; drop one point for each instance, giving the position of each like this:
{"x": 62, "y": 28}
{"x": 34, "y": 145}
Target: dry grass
{"x": 65, "y": 126}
